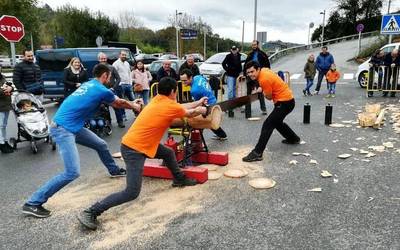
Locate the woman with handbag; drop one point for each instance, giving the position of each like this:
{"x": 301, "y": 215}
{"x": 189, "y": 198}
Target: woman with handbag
{"x": 141, "y": 79}
{"x": 74, "y": 76}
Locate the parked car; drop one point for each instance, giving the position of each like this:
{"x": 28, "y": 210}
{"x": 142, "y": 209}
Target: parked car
{"x": 146, "y": 58}
{"x": 213, "y": 65}
{"x": 197, "y": 57}
{"x": 19, "y": 58}
{"x": 5, "y": 62}
{"x": 156, "y": 65}
{"x": 168, "y": 57}
{"x": 362, "y": 72}
{"x": 52, "y": 63}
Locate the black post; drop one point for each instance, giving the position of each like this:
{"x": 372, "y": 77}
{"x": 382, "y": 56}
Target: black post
{"x": 328, "y": 114}
{"x": 306, "y": 113}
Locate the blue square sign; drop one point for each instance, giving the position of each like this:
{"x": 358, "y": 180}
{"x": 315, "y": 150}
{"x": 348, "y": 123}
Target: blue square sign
{"x": 390, "y": 24}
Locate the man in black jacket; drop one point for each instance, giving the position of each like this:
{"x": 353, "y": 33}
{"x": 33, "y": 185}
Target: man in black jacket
{"x": 261, "y": 57}
{"x": 392, "y": 61}
{"x": 27, "y": 76}
{"x": 233, "y": 67}
{"x": 166, "y": 70}
{"x": 190, "y": 65}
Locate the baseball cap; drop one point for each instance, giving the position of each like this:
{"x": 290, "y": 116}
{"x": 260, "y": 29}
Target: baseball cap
{"x": 233, "y": 47}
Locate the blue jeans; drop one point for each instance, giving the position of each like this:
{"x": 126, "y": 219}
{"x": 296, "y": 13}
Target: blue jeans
{"x": 3, "y": 126}
{"x": 144, "y": 95}
{"x": 121, "y": 91}
{"x": 321, "y": 75}
{"x": 231, "y": 82}
{"x": 66, "y": 142}
{"x": 310, "y": 82}
{"x": 331, "y": 87}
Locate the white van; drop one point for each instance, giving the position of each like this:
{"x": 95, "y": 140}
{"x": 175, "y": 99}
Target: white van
{"x": 362, "y": 72}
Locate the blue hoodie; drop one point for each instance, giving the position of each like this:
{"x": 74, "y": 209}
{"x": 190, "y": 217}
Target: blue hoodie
{"x": 324, "y": 61}
{"x": 200, "y": 88}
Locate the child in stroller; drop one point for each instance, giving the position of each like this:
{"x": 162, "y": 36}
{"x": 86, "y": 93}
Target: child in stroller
{"x": 32, "y": 121}
{"x": 100, "y": 123}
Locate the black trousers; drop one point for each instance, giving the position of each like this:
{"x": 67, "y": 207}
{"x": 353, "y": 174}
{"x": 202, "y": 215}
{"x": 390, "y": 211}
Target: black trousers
{"x": 250, "y": 84}
{"x": 275, "y": 121}
{"x": 219, "y": 132}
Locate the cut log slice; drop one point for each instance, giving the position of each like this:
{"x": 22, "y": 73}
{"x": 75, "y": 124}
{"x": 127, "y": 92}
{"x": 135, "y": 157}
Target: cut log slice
{"x": 214, "y": 175}
{"x": 235, "y": 173}
{"x": 262, "y": 183}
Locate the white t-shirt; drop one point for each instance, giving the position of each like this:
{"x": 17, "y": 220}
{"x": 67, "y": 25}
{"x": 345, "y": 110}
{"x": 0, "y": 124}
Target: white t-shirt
{"x": 124, "y": 71}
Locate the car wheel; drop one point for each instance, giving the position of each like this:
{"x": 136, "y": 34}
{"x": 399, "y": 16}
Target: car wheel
{"x": 363, "y": 79}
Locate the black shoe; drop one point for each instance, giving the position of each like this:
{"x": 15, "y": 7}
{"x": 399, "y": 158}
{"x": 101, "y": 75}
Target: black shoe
{"x": 184, "y": 182}
{"x": 252, "y": 156}
{"x": 286, "y": 141}
{"x": 36, "y": 210}
{"x": 121, "y": 125}
{"x": 6, "y": 149}
{"x": 88, "y": 219}
{"x": 304, "y": 92}
{"x": 121, "y": 173}
{"x": 231, "y": 113}
{"x": 264, "y": 112}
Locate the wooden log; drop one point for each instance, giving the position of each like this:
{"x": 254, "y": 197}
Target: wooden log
{"x": 379, "y": 120}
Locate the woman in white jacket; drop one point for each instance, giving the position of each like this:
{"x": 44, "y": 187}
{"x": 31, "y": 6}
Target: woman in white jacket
{"x": 141, "y": 80}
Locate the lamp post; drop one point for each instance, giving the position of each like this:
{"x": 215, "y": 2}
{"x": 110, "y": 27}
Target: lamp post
{"x": 177, "y": 32}
{"x": 310, "y": 26}
{"x": 323, "y": 26}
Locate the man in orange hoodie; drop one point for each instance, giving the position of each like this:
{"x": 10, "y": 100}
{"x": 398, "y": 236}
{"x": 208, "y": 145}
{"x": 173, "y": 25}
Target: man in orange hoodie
{"x": 275, "y": 89}
{"x": 331, "y": 77}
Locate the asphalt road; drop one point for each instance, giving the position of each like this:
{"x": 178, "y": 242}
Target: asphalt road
{"x": 358, "y": 207}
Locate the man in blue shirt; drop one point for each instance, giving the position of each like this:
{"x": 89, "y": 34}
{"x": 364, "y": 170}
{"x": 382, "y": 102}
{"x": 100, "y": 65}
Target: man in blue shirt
{"x": 323, "y": 64}
{"x": 199, "y": 88}
{"x": 67, "y": 129}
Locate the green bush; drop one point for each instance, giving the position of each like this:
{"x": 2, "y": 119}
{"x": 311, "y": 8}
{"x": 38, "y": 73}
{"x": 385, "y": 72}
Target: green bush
{"x": 367, "y": 52}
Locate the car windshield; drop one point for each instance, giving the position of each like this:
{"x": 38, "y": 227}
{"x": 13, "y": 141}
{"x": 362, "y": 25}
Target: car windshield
{"x": 156, "y": 65}
{"x": 216, "y": 59}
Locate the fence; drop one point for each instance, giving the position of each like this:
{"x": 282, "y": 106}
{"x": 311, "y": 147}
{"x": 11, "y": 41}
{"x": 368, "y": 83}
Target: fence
{"x": 383, "y": 78}
{"x": 279, "y": 54}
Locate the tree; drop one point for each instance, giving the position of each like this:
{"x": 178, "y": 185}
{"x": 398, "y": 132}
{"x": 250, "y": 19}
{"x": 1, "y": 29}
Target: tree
{"x": 371, "y": 8}
{"x": 26, "y": 12}
{"x": 127, "y": 19}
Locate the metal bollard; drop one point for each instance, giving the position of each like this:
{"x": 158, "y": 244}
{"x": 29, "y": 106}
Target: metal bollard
{"x": 328, "y": 114}
{"x": 306, "y": 113}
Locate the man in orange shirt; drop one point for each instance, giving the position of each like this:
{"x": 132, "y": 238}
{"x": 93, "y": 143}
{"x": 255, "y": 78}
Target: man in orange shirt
{"x": 275, "y": 89}
{"x": 143, "y": 141}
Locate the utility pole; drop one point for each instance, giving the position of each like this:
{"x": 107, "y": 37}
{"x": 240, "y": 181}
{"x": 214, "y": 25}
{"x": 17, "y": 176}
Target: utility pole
{"x": 205, "y": 48}
{"x": 177, "y": 32}
{"x": 242, "y": 34}
{"x": 255, "y": 20}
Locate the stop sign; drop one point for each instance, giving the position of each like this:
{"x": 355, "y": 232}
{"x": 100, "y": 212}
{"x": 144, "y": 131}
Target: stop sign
{"x": 11, "y": 28}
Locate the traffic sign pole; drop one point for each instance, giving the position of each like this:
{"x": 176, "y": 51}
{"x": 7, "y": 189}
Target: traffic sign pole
{"x": 359, "y": 43}
{"x": 13, "y": 61}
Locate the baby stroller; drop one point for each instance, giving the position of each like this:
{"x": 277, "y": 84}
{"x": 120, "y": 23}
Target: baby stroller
{"x": 32, "y": 121}
{"x": 100, "y": 123}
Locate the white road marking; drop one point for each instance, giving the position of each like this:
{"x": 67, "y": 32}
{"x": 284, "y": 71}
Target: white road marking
{"x": 348, "y": 76}
{"x": 295, "y": 76}
{"x": 323, "y": 82}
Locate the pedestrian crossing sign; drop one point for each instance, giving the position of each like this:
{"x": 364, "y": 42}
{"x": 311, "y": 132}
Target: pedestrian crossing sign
{"x": 390, "y": 24}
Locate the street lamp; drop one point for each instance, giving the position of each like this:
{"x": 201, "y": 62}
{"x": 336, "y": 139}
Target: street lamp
{"x": 323, "y": 26}
{"x": 310, "y": 26}
{"x": 177, "y": 32}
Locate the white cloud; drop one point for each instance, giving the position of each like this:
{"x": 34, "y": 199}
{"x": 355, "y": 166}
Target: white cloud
{"x": 286, "y": 20}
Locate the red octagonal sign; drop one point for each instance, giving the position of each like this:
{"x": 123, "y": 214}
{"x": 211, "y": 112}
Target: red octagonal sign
{"x": 11, "y": 28}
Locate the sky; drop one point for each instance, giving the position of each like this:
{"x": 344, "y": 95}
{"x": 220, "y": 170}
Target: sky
{"x": 285, "y": 20}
